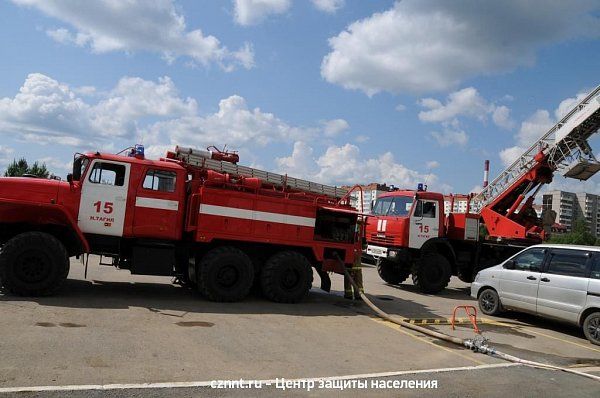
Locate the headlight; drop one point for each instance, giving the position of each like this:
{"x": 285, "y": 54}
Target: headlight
{"x": 392, "y": 253}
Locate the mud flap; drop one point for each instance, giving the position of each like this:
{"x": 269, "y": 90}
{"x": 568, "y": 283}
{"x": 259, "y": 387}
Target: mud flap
{"x": 325, "y": 280}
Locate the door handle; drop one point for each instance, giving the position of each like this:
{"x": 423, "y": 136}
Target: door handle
{"x": 532, "y": 278}
{"x": 545, "y": 280}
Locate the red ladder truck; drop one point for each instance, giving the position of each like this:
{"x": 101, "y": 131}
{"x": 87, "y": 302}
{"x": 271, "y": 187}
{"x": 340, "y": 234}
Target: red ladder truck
{"x": 196, "y": 215}
{"x": 409, "y": 232}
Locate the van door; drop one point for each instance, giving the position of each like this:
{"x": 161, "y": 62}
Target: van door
{"x": 564, "y": 284}
{"x": 104, "y": 198}
{"x": 518, "y": 287}
{"x": 424, "y": 223}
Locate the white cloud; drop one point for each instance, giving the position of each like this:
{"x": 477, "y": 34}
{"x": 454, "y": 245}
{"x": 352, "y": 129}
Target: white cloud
{"x": 253, "y": 12}
{"x": 531, "y": 130}
{"x": 343, "y": 165}
{"x": 450, "y": 137}
{"x": 234, "y": 124}
{"x": 465, "y": 102}
{"x": 137, "y": 25}
{"x": 361, "y": 139}
{"x": 501, "y": 117}
{"x": 335, "y": 127}
{"x": 432, "y": 164}
{"x": 301, "y": 163}
{"x": 46, "y": 110}
{"x": 5, "y": 155}
{"x": 427, "y": 45}
{"x": 329, "y": 6}
{"x": 401, "y": 108}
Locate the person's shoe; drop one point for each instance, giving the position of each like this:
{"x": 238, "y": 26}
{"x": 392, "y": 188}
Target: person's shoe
{"x": 348, "y": 297}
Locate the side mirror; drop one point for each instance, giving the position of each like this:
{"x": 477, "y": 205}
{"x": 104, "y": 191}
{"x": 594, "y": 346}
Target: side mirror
{"x": 70, "y": 178}
{"x": 510, "y": 264}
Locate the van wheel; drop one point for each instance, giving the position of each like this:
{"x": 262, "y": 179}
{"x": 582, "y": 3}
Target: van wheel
{"x": 33, "y": 264}
{"x": 432, "y": 273}
{"x": 286, "y": 277}
{"x": 489, "y": 302}
{"x": 225, "y": 274}
{"x": 591, "y": 328}
{"x": 392, "y": 272}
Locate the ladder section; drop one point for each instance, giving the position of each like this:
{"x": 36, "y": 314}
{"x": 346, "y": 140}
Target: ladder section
{"x": 202, "y": 159}
{"x": 565, "y": 145}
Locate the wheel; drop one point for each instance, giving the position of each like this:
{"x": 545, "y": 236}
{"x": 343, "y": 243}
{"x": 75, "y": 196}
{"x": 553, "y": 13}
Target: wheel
{"x": 286, "y": 277}
{"x": 225, "y": 274}
{"x": 591, "y": 328}
{"x": 432, "y": 273}
{"x": 33, "y": 264}
{"x": 391, "y": 272}
{"x": 489, "y": 302}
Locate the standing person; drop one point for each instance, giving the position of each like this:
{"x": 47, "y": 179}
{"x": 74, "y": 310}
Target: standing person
{"x": 356, "y": 273}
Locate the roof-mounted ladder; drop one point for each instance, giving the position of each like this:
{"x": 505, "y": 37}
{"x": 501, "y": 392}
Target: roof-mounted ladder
{"x": 201, "y": 158}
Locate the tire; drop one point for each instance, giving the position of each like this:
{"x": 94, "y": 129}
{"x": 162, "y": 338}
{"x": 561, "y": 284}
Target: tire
{"x": 391, "y": 272}
{"x": 33, "y": 264}
{"x": 286, "y": 277}
{"x": 225, "y": 274}
{"x": 432, "y": 273}
{"x": 591, "y": 328}
{"x": 489, "y": 302}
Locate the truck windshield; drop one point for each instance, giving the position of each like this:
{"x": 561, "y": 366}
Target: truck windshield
{"x": 393, "y": 206}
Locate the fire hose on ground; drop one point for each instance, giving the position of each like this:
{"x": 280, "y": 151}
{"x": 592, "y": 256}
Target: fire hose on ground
{"x": 477, "y": 345}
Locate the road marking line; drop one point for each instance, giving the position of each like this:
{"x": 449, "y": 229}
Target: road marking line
{"x": 424, "y": 340}
{"x": 191, "y": 384}
{"x": 492, "y": 322}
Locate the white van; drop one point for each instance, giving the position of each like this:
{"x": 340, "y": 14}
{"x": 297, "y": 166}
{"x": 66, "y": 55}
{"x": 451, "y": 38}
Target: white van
{"x": 561, "y": 282}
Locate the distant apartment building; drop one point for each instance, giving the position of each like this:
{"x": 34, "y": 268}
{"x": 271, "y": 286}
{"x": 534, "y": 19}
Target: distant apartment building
{"x": 460, "y": 205}
{"x": 369, "y": 195}
{"x": 570, "y": 206}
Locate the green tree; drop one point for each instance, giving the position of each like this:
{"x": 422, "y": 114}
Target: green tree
{"x": 19, "y": 167}
{"x": 579, "y": 235}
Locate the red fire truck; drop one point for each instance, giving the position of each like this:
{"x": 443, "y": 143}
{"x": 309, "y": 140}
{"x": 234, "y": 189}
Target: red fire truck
{"x": 196, "y": 215}
{"x": 409, "y": 232}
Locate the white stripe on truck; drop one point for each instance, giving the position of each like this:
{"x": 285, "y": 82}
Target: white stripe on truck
{"x": 161, "y": 204}
{"x": 246, "y": 214}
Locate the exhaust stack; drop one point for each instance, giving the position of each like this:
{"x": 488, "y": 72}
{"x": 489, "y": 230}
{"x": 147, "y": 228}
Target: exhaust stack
{"x": 486, "y": 173}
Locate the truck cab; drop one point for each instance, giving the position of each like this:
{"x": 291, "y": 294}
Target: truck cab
{"x": 404, "y": 219}
{"x": 409, "y": 233}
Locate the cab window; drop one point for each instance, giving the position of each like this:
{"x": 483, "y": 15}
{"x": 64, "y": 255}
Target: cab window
{"x": 108, "y": 174}
{"x": 568, "y": 262}
{"x": 160, "y": 180}
{"x": 425, "y": 209}
{"x": 530, "y": 260}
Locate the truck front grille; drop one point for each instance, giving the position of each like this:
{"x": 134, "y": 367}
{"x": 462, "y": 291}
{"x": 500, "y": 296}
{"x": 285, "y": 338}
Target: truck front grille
{"x": 384, "y": 240}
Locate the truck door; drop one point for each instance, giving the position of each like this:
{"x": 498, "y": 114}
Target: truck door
{"x": 424, "y": 223}
{"x": 104, "y": 198}
{"x": 563, "y": 287}
{"x": 158, "y": 203}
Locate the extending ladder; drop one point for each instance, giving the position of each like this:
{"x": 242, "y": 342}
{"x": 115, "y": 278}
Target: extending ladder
{"x": 565, "y": 145}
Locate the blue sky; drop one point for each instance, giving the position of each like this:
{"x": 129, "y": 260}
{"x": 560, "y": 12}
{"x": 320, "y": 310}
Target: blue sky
{"x": 335, "y": 91}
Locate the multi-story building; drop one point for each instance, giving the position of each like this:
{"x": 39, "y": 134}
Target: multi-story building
{"x": 370, "y": 193}
{"x": 570, "y": 206}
